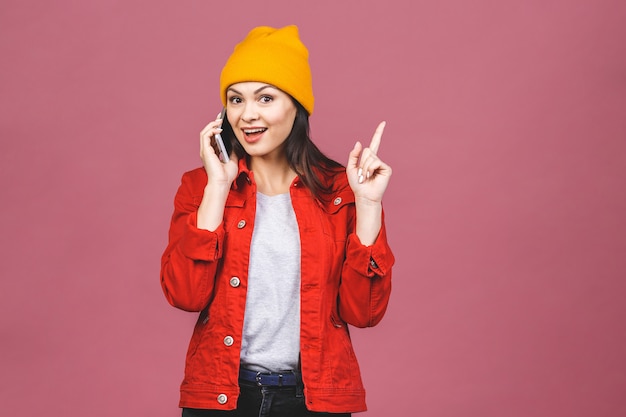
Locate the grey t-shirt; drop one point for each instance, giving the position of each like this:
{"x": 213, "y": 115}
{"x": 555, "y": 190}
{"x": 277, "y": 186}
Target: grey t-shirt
{"x": 271, "y": 329}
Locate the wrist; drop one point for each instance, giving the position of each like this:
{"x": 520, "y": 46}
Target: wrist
{"x": 368, "y": 220}
{"x": 211, "y": 210}
{"x": 216, "y": 192}
{"x": 362, "y": 203}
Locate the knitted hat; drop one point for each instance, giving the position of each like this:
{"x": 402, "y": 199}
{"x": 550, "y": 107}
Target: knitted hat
{"x": 273, "y": 56}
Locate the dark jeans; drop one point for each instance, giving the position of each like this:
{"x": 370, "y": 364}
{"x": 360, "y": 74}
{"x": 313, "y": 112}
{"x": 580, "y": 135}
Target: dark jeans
{"x": 255, "y": 401}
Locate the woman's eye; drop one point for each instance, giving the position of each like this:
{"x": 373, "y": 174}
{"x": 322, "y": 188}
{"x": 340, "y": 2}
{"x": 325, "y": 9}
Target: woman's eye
{"x": 234, "y": 100}
{"x": 265, "y": 99}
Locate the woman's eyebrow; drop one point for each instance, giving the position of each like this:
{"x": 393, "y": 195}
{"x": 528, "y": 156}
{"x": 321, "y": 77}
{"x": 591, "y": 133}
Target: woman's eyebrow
{"x": 257, "y": 91}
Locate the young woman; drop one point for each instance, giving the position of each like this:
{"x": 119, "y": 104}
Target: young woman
{"x": 279, "y": 249}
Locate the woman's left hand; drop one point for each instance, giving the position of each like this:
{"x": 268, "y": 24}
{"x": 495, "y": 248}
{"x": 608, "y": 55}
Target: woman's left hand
{"x": 368, "y": 175}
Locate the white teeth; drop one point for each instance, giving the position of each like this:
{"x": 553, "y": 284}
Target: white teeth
{"x": 251, "y": 131}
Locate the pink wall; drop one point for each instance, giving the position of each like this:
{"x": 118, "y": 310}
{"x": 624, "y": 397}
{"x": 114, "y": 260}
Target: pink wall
{"x": 506, "y": 132}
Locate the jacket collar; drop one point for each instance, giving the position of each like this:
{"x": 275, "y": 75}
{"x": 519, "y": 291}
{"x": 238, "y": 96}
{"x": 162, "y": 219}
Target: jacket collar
{"x": 243, "y": 176}
{"x": 339, "y": 195}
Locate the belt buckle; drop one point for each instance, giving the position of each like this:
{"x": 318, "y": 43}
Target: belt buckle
{"x": 260, "y": 374}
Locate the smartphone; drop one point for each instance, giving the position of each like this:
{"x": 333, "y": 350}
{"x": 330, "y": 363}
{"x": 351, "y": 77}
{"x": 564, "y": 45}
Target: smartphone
{"x": 219, "y": 146}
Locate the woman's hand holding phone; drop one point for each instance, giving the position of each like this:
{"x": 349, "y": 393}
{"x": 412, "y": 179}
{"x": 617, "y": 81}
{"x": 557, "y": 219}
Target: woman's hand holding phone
{"x": 215, "y": 159}
{"x": 220, "y": 177}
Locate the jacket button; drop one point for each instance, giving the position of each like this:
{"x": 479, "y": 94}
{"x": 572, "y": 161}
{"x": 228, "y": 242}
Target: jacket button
{"x": 222, "y": 398}
{"x": 241, "y": 224}
{"x": 228, "y": 340}
{"x": 337, "y": 201}
{"x": 234, "y": 282}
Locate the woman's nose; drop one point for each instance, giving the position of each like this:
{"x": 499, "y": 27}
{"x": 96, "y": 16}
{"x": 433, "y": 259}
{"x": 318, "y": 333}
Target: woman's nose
{"x": 249, "y": 113}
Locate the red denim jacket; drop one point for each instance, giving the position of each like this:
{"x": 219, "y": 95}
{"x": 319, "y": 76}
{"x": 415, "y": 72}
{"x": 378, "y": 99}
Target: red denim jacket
{"x": 342, "y": 282}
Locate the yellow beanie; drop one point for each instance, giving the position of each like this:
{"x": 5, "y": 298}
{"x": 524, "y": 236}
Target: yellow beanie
{"x": 273, "y": 56}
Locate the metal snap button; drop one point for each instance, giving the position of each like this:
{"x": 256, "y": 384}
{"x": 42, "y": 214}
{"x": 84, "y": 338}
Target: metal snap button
{"x": 234, "y": 282}
{"x": 222, "y": 398}
{"x": 241, "y": 224}
{"x": 373, "y": 263}
{"x": 228, "y": 340}
{"x": 337, "y": 201}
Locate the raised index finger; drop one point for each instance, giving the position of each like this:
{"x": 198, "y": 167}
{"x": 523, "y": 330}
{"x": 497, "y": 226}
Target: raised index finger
{"x": 378, "y": 134}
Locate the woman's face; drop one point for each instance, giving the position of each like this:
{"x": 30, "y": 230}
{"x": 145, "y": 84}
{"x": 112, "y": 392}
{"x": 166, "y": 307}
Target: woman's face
{"x": 261, "y": 116}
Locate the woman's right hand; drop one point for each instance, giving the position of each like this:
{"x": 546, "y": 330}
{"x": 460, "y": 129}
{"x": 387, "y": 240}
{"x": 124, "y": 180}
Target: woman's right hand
{"x": 220, "y": 177}
{"x": 220, "y": 174}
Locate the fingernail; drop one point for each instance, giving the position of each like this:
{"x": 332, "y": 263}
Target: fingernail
{"x": 367, "y": 174}
{"x": 360, "y": 172}
{"x": 360, "y": 179}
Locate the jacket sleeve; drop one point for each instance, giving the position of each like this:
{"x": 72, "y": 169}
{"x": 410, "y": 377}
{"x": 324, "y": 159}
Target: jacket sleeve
{"x": 189, "y": 263}
{"x": 365, "y": 280}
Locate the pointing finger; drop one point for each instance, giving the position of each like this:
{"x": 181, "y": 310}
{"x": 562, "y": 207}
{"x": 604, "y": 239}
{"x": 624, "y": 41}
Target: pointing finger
{"x": 375, "y": 143}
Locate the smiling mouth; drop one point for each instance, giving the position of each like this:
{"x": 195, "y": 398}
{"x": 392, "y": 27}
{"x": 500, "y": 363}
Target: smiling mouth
{"x": 252, "y": 135}
{"x": 254, "y": 131}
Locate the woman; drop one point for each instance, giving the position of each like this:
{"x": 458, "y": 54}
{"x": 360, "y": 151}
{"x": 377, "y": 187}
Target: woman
{"x": 279, "y": 249}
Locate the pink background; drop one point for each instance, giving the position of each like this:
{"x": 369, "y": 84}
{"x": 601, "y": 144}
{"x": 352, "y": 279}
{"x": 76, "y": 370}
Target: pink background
{"x": 506, "y": 132}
